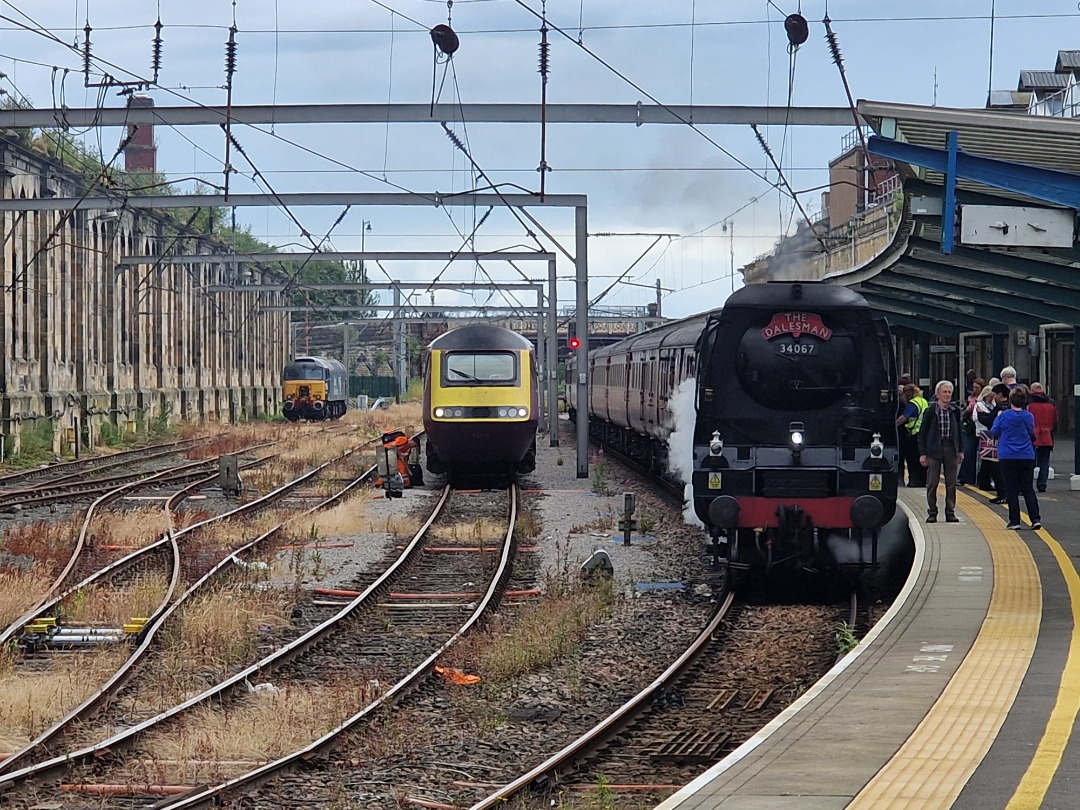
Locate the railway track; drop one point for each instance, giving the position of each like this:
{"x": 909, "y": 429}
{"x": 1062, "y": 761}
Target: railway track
{"x": 400, "y": 633}
{"x": 123, "y": 574}
{"x": 726, "y": 685}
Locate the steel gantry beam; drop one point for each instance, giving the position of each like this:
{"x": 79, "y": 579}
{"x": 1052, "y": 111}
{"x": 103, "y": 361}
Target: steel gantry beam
{"x": 277, "y": 114}
{"x": 359, "y": 286}
{"x": 296, "y": 200}
{"x": 342, "y": 256}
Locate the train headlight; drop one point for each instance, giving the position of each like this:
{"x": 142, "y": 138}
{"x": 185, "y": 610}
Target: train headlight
{"x": 796, "y": 438}
{"x": 459, "y": 412}
{"x": 440, "y": 413}
{"x": 877, "y": 447}
{"x": 522, "y": 412}
{"x": 502, "y": 413}
{"x": 716, "y": 444}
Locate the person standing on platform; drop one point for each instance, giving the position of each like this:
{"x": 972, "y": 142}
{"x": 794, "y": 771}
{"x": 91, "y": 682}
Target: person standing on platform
{"x": 1045, "y": 413}
{"x": 907, "y": 429}
{"x": 1014, "y": 428}
{"x": 940, "y": 449}
{"x": 968, "y": 469}
{"x": 1008, "y": 377}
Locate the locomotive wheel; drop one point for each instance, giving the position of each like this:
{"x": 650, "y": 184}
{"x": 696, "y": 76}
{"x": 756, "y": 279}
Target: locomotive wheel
{"x": 292, "y": 416}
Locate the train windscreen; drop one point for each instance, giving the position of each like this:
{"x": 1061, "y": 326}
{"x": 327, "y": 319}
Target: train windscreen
{"x": 299, "y": 371}
{"x": 480, "y": 368}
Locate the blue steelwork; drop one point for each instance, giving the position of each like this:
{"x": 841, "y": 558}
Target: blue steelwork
{"x": 1051, "y": 186}
{"x": 948, "y": 211}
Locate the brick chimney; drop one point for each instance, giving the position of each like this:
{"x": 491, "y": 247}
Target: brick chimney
{"x": 141, "y": 154}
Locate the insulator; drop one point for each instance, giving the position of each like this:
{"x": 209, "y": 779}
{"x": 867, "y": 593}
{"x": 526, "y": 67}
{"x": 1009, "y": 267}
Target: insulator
{"x": 797, "y": 29}
{"x": 86, "y": 49}
{"x": 834, "y": 43}
{"x": 230, "y": 55}
{"x": 454, "y": 138}
{"x": 155, "y": 58}
{"x": 545, "y": 52}
{"x": 445, "y": 39}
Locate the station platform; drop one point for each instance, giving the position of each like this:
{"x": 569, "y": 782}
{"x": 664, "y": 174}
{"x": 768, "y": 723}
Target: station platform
{"x": 964, "y": 695}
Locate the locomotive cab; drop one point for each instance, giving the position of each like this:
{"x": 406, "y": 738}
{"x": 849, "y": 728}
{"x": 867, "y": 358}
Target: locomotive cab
{"x": 795, "y": 438}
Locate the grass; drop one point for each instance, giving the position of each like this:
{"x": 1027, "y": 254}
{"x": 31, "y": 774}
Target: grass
{"x": 107, "y": 605}
{"x": 129, "y": 527}
{"x": 20, "y": 591}
{"x": 537, "y": 635}
{"x": 32, "y": 701}
{"x": 846, "y": 640}
{"x": 260, "y": 726}
{"x": 480, "y": 531}
{"x": 49, "y": 544}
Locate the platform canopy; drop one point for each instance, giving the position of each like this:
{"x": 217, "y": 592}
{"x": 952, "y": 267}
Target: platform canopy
{"x": 927, "y": 279}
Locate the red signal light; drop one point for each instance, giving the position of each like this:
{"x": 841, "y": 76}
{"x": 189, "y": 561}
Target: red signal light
{"x": 573, "y": 343}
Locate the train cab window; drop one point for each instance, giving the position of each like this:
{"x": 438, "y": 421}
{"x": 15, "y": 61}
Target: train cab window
{"x": 480, "y": 368}
{"x": 301, "y": 371}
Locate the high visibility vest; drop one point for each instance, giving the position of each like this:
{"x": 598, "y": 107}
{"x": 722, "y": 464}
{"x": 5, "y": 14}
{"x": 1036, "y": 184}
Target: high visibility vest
{"x": 913, "y": 425}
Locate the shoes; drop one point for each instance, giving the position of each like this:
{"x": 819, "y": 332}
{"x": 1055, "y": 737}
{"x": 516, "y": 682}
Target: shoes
{"x": 999, "y": 501}
{"x": 952, "y": 519}
{"x": 1037, "y": 525}
{"x": 931, "y": 518}
{"x": 1042, "y": 489}
{"x": 1014, "y": 526}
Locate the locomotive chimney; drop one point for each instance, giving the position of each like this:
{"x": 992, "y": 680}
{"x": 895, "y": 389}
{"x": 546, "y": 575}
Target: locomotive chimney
{"x": 140, "y": 155}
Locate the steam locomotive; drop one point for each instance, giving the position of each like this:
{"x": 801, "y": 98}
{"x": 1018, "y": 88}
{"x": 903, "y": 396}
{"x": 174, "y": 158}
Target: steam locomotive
{"x": 794, "y": 448}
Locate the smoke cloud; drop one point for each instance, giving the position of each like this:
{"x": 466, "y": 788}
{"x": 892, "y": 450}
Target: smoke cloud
{"x": 681, "y": 444}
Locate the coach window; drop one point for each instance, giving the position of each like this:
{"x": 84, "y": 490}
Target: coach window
{"x": 480, "y": 368}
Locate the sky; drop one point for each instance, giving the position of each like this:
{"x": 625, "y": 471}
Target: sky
{"x": 714, "y": 214}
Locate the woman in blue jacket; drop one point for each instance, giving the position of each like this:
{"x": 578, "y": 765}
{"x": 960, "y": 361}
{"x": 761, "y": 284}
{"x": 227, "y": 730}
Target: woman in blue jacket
{"x": 1014, "y": 428}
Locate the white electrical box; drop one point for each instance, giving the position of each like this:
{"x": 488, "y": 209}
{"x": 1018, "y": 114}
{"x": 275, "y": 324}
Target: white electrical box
{"x": 1016, "y": 226}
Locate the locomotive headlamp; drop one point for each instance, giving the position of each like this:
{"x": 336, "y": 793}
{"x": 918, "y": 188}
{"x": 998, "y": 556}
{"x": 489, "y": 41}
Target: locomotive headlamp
{"x": 716, "y": 444}
{"x": 522, "y": 412}
{"x": 877, "y": 447}
{"x": 796, "y": 438}
{"x": 440, "y": 413}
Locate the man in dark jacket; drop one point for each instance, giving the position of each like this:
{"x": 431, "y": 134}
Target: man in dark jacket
{"x": 1046, "y": 417}
{"x": 941, "y": 448}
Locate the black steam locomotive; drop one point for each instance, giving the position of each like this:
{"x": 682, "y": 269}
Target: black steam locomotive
{"x": 794, "y": 451}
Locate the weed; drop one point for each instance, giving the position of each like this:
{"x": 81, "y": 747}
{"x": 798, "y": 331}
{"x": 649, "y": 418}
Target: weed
{"x": 600, "y": 480}
{"x": 846, "y": 640}
{"x": 646, "y": 523}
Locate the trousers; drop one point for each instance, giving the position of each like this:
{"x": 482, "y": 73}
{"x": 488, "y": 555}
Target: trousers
{"x": 934, "y": 468}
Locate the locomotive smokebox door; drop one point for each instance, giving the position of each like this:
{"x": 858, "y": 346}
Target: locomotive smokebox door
{"x": 229, "y": 476}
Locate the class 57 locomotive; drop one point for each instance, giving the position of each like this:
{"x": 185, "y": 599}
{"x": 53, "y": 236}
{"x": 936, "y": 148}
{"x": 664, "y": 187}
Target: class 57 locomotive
{"x": 795, "y": 447}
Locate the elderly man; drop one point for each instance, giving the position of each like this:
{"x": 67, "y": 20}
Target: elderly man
{"x": 1008, "y": 376}
{"x": 941, "y": 448}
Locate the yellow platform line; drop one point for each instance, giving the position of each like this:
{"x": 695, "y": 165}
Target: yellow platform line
{"x": 1040, "y": 773}
{"x": 936, "y": 761}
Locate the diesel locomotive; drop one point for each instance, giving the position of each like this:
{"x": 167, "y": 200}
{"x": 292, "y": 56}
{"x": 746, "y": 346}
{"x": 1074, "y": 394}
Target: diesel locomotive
{"x": 314, "y": 388}
{"x": 481, "y": 403}
{"x": 794, "y": 459}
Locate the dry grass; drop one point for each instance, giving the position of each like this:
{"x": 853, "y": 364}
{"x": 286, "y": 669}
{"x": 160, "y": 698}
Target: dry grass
{"x": 49, "y": 545}
{"x": 537, "y": 635}
{"x": 129, "y": 527}
{"x": 111, "y": 606}
{"x": 32, "y": 701}
{"x": 346, "y": 518}
{"x": 20, "y": 591}
{"x": 216, "y": 633}
{"x": 265, "y": 725}
{"x": 481, "y": 530}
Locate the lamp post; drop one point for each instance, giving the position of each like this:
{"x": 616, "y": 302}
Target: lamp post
{"x": 365, "y": 226}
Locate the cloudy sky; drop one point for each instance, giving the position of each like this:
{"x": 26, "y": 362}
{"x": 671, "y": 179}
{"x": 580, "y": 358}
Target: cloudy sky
{"x": 639, "y": 180}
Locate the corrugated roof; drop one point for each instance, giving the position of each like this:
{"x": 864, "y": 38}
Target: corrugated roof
{"x": 1010, "y": 98}
{"x": 1042, "y": 80}
{"x": 1067, "y": 61}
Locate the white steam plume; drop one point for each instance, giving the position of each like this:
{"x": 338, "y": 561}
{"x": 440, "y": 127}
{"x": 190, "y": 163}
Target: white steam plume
{"x": 681, "y": 444}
